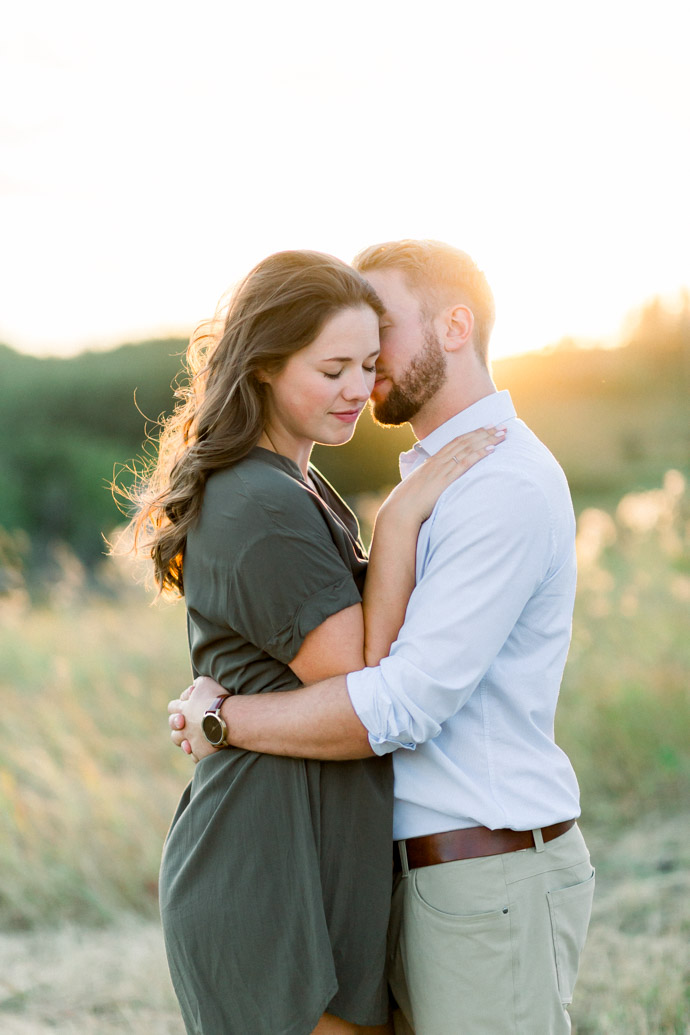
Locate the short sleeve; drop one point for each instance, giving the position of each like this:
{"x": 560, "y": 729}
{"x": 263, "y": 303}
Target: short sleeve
{"x": 285, "y": 577}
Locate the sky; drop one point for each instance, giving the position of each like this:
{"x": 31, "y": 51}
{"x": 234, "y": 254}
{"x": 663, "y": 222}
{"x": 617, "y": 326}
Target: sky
{"x": 152, "y": 152}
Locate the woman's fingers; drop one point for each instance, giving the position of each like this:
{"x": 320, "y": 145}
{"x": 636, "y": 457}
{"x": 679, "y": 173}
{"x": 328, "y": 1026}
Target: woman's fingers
{"x": 458, "y": 456}
{"x": 462, "y": 461}
{"x": 415, "y": 497}
{"x": 463, "y": 452}
{"x": 485, "y": 439}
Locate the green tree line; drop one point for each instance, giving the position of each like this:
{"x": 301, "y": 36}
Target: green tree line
{"x": 615, "y": 418}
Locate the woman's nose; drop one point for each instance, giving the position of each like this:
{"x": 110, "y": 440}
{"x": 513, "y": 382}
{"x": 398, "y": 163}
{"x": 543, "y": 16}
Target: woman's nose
{"x": 357, "y": 386}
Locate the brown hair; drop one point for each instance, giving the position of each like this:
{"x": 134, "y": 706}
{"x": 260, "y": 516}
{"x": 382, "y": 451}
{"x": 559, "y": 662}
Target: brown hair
{"x": 438, "y": 274}
{"x": 280, "y": 307}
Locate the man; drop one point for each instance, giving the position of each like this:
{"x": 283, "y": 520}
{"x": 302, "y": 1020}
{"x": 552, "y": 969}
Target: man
{"x": 492, "y": 906}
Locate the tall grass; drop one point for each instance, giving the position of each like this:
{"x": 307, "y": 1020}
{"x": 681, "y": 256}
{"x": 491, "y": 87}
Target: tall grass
{"x": 88, "y": 777}
{"x": 624, "y": 715}
{"x": 89, "y": 780}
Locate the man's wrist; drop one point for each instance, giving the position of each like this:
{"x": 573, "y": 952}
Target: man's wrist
{"x": 214, "y": 725}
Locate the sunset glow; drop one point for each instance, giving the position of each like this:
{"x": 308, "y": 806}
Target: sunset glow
{"x": 150, "y": 160}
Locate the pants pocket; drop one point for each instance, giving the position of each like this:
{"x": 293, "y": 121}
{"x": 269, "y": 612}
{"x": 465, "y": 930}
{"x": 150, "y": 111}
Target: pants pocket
{"x": 459, "y": 965}
{"x": 570, "y": 909}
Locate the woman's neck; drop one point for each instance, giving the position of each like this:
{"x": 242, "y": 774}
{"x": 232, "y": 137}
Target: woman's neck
{"x": 300, "y": 452}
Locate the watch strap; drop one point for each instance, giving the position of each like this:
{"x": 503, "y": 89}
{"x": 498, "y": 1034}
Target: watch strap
{"x": 217, "y": 705}
{"x": 212, "y": 715}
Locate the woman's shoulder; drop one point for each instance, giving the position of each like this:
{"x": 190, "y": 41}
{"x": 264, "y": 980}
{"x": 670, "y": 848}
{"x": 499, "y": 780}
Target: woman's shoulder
{"x": 335, "y": 502}
{"x": 261, "y": 488}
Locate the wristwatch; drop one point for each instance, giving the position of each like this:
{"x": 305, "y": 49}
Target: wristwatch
{"x": 213, "y": 725}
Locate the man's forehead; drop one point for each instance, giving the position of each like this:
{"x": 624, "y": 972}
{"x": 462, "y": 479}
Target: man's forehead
{"x": 393, "y": 287}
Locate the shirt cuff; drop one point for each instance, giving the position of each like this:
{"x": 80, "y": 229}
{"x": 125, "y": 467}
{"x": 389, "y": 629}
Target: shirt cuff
{"x": 362, "y": 687}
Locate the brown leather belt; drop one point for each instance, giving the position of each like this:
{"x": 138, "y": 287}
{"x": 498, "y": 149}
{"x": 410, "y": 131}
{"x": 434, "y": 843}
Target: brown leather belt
{"x": 471, "y": 843}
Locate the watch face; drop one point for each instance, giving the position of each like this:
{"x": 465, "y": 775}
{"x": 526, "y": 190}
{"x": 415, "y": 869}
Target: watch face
{"x": 212, "y": 729}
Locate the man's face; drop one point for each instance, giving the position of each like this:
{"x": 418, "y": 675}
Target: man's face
{"x": 412, "y": 365}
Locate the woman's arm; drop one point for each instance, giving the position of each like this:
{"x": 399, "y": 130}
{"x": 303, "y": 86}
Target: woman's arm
{"x": 361, "y": 634}
{"x": 391, "y": 573}
{"x": 334, "y": 647}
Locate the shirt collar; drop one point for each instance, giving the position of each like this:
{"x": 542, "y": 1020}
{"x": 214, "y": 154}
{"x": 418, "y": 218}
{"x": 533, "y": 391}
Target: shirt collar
{"x": 492, "y": 409}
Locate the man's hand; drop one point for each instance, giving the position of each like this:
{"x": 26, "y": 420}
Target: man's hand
{"x": 316, "y": 721}
{"x": 186, "y": 713}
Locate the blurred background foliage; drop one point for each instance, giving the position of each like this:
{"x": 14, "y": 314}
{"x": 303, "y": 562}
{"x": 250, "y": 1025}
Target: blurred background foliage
{"x": 616, "y": 419}
{"x": 88, "y": 780}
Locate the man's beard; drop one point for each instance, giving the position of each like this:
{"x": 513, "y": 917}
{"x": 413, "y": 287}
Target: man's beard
{"x": 422, "y": 379}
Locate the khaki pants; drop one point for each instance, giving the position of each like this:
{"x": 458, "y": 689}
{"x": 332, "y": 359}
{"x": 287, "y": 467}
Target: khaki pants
{"x": 491, "y": 946}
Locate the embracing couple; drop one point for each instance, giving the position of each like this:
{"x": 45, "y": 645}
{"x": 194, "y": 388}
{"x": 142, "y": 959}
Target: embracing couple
{"x": 361, "y": 737}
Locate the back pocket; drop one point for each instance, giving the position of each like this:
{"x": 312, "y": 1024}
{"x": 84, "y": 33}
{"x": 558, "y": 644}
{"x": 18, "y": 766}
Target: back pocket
{"x": 570, "y": 909}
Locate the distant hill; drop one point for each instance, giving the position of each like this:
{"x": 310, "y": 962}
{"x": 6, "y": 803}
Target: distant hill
{"x": 616, "y": 420}
{"x": 65, "y": 424}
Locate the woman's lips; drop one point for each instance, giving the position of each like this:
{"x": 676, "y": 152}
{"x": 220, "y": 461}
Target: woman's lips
{"x": 347, "y": 416}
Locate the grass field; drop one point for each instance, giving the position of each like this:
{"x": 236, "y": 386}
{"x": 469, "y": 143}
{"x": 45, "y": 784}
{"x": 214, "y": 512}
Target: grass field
{"x": 633, "y": 980}
{"x": 88, "y": 782}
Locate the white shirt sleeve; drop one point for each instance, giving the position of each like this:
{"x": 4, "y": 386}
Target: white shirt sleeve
{"x": 488, "y": 548}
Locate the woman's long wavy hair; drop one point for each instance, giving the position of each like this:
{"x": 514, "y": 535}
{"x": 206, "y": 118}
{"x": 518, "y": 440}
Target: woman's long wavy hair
{"x": 278, "y": 309}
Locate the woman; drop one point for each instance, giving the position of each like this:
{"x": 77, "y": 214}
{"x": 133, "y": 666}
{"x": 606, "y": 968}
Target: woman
{"x": 276, "y": 875}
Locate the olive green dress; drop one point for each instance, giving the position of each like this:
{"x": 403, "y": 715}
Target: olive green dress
{"x": 276, "y": 874}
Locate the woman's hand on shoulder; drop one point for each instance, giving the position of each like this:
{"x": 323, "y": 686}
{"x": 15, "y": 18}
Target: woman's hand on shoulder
{"x": 415, "y": 497}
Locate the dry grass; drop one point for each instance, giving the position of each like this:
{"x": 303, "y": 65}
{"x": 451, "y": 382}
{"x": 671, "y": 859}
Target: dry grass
{"x": 88, "y": 782}
{"x": 88, "y": 779}
{"x": 635, "y": 973}
{"x": 624, "y": 713}
{"x": 634, "y": 977}
{"x": 79, "y": 981}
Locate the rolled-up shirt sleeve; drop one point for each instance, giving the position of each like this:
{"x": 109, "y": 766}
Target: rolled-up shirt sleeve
{"x": 488, "y": 547}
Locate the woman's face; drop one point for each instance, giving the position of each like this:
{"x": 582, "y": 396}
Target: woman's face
{"x": 323, "y": 388}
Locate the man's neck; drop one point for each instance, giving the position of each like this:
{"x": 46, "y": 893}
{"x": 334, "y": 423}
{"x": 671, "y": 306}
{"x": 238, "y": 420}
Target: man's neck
{"x": 445, "y": 405}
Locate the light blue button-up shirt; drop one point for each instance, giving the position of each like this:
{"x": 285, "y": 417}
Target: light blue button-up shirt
{"x": 471, "y": 684}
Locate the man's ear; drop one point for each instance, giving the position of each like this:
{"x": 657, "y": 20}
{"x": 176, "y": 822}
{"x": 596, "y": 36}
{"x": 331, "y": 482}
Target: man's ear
{"x": 458, "y": 327}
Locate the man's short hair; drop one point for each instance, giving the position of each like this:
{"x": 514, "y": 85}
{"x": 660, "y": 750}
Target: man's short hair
{"x": 439, "y": 275}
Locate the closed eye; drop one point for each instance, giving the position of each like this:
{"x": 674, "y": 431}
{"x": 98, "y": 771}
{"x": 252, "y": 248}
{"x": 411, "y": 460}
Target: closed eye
{"x": 369, "y": 369}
